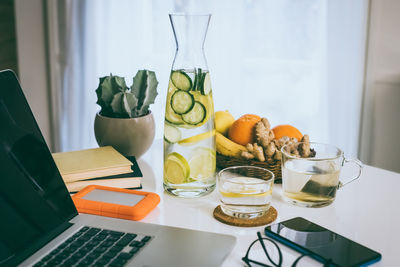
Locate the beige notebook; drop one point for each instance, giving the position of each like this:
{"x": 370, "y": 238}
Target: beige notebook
{"x": 91, "y": 163}
{"x": 133, "y": 182}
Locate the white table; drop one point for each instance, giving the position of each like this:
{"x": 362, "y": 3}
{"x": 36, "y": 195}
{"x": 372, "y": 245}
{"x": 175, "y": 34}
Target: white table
{"x": 365, "y": 211}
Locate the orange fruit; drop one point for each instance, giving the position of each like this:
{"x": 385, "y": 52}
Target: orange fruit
{"x": 287, "y": 130}
{"x": 242, "y": 129}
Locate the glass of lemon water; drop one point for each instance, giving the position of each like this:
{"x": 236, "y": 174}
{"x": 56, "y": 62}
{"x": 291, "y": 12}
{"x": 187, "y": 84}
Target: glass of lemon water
{"x": 245, "y": 191}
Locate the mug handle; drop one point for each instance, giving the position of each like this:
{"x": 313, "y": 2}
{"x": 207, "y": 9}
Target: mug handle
{"x": 360, "y": 166}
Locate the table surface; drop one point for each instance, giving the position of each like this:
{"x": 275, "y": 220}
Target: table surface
{"x": 365, "y": 211}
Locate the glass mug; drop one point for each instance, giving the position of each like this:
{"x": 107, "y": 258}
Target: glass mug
{"x": 313, "y": 182}
{"x": 245, "y": 191}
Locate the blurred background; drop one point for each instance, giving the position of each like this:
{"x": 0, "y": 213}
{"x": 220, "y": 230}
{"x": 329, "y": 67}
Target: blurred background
{"x": 329, "y": 68}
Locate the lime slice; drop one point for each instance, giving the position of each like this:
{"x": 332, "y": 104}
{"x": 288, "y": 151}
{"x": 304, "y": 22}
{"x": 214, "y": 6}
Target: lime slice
{"x": 196, "y": 138}
{"x": 202, "y": 163}
{"x": 176, "y": 169}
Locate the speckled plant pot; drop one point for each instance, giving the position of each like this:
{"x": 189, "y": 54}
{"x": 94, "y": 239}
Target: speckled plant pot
{"x": 130, "y": 136}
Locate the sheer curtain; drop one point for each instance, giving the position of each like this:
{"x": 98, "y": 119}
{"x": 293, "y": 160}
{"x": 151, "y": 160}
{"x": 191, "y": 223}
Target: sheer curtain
{"x": 294, "y": 62}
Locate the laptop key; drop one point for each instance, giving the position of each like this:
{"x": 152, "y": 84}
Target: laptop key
{"x": 69, "y": 240}
{"x": 93, "y": 231}
{"x": 70, "y": 262}
{"x": 113, "y": 238}
{"x": 88, "y": 260}
{"x": 104, "y": 260}
{"x": 125, "y": 256}
{"x": 138, "y": 244}
{"x": 110, "y": 254}
{"x": 134, "y": 250}
{"x": 55, "y": 261}
{"x": 85, "y": 238}
{"x": 40, "y": 263}
{"x": 131, "y": 235}
{"x": 47, "y": 257}
{"x": 124, "y": 241}
{"x": 76, "y": 244}
{"x": 62, "y": 256}
{"x": 100, "y": 250}
{"x": 84, "y": 229}
{"x": 107, "y": 244}
{"x": 146, "y": 238}
{"x": 92, "y": 243}
{"x": 118, "y": 262}
{"x": 55, "y": 251}
{"x": 100, "y": 237}
{"x": 78, "y": 234}
{"x": 116, "y": 248}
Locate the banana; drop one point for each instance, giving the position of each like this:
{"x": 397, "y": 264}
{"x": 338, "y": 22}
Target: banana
{"x": 227, "y": 147}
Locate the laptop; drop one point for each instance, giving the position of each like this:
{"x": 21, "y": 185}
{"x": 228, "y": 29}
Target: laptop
{"x": 40, "y": 226}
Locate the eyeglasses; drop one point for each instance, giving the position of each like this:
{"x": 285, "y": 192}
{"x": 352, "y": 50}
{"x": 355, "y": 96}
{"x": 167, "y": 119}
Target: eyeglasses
{"x": 275, "y": 257}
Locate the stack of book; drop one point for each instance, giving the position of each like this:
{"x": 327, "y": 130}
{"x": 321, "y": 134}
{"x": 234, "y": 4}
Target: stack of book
{"x": 97, "y": 166}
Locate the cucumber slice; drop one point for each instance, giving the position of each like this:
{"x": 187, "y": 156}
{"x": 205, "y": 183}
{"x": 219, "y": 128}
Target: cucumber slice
{"x": 182, "y": 102}
{"x": 196, "y": 115}
{"x": 198, "y": 79}
{"x": 172, "y": 134}
{"x": 181, "y": 80}
{"x": 170, "y": 115}
{"x": 206, "y": 86}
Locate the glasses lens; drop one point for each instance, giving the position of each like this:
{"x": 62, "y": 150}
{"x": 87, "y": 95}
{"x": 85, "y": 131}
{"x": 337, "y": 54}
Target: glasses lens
{"x": 257, "y": 254}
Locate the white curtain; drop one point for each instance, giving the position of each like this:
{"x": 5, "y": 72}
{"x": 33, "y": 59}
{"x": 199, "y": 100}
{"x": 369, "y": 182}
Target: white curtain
{"x": 298, "y": 62}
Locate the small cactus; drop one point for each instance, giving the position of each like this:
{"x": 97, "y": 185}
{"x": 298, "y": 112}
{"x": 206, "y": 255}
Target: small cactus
{"x": 118, "y": 101}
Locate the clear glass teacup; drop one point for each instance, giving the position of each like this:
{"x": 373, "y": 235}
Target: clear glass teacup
{"x": 313, "y": 181}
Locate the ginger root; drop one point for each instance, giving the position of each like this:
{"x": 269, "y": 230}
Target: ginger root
{"x": 254, "y": 151}
{"x": 264, "y": 134}
{"x": 269, "y": 149}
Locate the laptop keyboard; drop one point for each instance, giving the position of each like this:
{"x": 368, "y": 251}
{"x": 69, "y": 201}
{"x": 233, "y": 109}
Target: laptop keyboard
{"x": 95, "y": 247}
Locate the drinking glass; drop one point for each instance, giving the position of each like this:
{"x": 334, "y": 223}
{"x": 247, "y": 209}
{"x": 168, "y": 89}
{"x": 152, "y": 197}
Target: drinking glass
{"x": 245, "y": 191}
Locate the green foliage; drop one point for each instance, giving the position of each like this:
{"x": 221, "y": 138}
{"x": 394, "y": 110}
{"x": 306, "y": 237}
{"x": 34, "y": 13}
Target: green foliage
{"x": 118, "y": 101}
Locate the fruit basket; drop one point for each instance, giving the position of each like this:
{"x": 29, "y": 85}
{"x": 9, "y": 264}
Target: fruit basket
{"x": 274, "y": 167}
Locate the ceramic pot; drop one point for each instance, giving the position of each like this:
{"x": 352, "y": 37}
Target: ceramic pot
{"x": 130, "y": 136}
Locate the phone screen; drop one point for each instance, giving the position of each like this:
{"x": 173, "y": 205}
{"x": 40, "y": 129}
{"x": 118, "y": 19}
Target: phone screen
{"x": 321, "y": 243}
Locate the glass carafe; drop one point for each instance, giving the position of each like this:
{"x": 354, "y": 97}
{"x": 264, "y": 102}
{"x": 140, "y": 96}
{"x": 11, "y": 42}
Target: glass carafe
{"x": 189, "y": 129}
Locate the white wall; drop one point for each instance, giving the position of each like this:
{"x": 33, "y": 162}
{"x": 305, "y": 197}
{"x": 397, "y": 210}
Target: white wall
{"x": 380, "y": 144}
{"x": 32, "y": 62}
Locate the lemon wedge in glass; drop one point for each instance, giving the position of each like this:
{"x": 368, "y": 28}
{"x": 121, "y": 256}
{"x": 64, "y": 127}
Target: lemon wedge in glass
{"x": 202, "y": 163}
{"x": 176, "y": 169}
{"x": 196, "y": 138}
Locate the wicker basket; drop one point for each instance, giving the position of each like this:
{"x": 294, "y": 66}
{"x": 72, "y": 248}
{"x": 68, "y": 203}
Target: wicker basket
{"x": 275, "y": 167}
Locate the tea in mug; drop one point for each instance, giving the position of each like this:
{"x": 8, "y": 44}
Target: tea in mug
{"x": 316, "y": 184}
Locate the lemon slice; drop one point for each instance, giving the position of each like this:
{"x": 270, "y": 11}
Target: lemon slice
{"x": 176, "y": 169}
{"x": 196, "y": 138}
{"x": 202, "y": 163}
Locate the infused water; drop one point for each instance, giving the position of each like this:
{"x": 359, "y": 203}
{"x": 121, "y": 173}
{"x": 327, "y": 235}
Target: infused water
{"x": 189, "y": 134}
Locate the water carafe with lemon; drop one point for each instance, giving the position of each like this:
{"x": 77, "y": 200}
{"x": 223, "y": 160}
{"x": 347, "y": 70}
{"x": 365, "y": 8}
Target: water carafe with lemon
{"x": 189, "y": 129}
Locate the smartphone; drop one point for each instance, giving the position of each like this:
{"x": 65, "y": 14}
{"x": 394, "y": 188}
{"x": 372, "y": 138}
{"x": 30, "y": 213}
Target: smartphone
{"x": 321, "y": 244}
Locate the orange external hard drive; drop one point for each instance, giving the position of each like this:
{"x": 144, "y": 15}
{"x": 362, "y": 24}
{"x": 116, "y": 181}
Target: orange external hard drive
{"x": 115, "y": 202}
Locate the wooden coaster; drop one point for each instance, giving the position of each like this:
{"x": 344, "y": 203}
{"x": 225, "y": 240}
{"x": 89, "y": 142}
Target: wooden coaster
{"x": 267, "y": 218}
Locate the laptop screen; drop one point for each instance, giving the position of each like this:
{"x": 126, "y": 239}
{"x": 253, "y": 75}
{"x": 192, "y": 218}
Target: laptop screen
{"x": 34, "y": 201}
